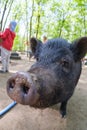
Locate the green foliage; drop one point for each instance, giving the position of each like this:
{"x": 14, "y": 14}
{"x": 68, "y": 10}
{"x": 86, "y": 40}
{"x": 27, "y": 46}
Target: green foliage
{"x": 54, "y": 18}
{"x": 18, "y": 44}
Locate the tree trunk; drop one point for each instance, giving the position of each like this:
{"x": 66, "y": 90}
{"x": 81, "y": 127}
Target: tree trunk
{"x": 8, "y": 13}
{"x": 62, "y": 24}
{"x": 84, "y": 25}
{"x": 31, "y": 19}
{"x": 38, "y": 21}
{"x": 1, "y": 22}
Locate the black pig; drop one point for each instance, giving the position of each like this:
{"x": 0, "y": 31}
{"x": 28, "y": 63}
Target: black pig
{"x": 54, "y": 76}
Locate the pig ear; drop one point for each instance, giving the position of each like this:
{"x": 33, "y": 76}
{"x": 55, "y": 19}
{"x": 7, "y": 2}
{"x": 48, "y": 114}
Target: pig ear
{"x": 33, "y": 44}
{"x": 79, "y": 48}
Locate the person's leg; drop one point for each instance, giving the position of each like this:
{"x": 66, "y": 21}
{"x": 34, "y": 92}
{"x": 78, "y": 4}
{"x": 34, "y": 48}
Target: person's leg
{"x": 7, "y": 61}
{"x": 4, "y": 54}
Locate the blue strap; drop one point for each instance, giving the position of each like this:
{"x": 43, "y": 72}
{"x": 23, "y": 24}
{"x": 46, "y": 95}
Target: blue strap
{"x": 2, "y": 112}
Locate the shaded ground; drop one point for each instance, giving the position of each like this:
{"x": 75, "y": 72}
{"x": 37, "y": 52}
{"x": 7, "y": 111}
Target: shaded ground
{"x": 27, "y": 118}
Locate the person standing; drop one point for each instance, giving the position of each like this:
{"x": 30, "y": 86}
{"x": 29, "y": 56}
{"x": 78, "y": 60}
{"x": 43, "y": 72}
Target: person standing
{"x": 44, "y": 39}
{"x": 6, "y": 44}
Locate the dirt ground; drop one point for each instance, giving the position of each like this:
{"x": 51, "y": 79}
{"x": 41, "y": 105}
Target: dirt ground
{"x": 27, "y": 118}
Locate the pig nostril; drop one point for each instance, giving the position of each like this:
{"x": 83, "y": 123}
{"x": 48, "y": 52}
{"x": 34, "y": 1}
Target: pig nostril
{"x": 12, "y": 84}
{"x": 25, "y": 89}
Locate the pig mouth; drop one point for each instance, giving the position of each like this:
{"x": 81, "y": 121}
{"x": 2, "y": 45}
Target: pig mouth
{"x": 20, "y": 88}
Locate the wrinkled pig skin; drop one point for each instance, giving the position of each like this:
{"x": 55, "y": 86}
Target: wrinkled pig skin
{"x": 54, "y": 76}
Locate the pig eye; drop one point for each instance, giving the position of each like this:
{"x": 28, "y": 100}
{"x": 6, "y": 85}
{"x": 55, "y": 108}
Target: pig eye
{"x": 65, "y": 65}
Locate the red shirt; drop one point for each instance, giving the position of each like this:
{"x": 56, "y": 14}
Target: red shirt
{"x": 7, "y": 39}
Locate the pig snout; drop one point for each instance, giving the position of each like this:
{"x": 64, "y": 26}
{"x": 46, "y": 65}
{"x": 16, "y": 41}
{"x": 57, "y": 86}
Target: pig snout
{"x": 20, "y": 87}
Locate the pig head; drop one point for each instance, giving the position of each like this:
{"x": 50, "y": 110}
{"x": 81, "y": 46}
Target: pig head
{"x": 53, "y": 77}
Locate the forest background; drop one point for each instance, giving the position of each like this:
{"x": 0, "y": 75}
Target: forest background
{"x": 54, "y": 18}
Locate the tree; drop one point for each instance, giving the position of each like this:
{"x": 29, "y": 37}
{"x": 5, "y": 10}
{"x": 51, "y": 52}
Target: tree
{"x": 31, "y": 17}
{"x": 66, "y": 19}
